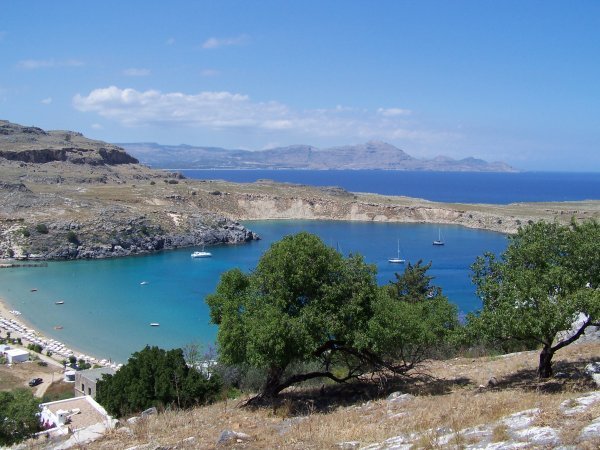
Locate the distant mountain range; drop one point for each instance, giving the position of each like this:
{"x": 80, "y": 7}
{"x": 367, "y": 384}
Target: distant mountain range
{"x": 372, "y": 155}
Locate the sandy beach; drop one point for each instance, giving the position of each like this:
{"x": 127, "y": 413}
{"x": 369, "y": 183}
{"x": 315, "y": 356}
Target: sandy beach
{"x": 18, "y": 326}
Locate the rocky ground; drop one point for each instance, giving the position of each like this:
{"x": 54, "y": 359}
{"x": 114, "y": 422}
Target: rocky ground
{"x": 490, "y": 402}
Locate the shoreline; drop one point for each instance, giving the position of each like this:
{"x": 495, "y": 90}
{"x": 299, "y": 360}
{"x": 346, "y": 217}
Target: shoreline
{"x": 20, "y": 327}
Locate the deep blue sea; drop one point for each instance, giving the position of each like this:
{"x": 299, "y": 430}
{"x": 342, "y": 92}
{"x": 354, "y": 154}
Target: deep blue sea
{"x": 461, "y": 187}
{"x": 107, "y": 312}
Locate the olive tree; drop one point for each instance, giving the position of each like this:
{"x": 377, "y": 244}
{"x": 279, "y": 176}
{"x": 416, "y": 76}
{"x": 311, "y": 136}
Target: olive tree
{"x": 305, "y": 305}
{"x": 544, "y": 281}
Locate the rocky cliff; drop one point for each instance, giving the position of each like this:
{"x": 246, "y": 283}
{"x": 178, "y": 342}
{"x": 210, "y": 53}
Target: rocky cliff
{"x": 34, "y": 145}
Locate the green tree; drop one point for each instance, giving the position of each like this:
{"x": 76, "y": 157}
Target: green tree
{"x": 18, "y": 416}
{"x": 304, "y": 306}
{"x": 413, "y": 317}
{"x": 548, "y": 276}
{"x": 155, "y": 377}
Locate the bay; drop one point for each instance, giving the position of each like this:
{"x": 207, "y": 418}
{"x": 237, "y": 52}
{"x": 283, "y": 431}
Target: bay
{"x": 459, "y": 187}
{"x": 107, "y": 311}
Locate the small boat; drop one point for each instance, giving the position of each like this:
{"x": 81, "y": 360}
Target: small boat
{"x": 143, "y": 283}
{"x": 33, "y": 290}
{"x": 397, "y": 259}
{"x": 154, "y": 324}
{"x": 59, "y": 302}
{"x": 58, "y": 327}
{"x": 201, "y": 254}
{"x": 439, "y": 241}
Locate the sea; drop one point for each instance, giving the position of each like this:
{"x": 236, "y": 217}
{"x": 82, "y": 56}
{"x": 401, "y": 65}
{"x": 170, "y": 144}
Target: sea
{"x": 109, "y": 304}
{"x": 461, "y": 187}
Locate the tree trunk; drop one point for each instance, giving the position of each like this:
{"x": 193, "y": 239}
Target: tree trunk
{"x": 545, "y": 367}
{"x": 272, "y": 386}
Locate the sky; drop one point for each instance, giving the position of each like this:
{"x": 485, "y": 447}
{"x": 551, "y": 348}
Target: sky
{"x": 513, "y": 81}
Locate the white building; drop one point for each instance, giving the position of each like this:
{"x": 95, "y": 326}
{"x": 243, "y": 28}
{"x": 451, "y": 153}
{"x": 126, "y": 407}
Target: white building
{"x": 81, "y": 416}
{"x": 15, "y": 355}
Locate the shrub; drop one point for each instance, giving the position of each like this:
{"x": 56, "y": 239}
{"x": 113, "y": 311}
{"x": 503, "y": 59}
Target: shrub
{"x": 25, "y": 232}
{"x": 41, "y": 228}
{"x": 155, "y": 377}
{"x": 72, "y": 237}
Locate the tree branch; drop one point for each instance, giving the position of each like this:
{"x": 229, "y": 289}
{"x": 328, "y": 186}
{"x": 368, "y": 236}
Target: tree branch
{"x": 572, "y": 338}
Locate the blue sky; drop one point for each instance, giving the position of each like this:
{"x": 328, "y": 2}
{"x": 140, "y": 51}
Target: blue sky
{"x": 517, "y": 81}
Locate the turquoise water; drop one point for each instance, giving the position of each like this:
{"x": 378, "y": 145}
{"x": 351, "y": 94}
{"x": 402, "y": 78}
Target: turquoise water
{"x": 107, "y": 312}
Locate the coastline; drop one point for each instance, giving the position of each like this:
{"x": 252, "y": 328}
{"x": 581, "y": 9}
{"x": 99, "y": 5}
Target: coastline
{"x": 20, "y": 327}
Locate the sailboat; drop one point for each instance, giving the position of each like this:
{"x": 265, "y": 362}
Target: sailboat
{"x": 397, "y": 259}
{"x": 439, "y": 239}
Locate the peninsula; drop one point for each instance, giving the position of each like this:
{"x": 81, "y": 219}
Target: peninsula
{"x": 64, "y": 196}
{"x": 371, "y": 155}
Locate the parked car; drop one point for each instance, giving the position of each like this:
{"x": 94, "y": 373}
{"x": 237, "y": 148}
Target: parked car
{"x": 35, "y": 381}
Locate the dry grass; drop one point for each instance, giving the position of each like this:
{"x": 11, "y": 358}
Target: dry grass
{"x": 450, "y": 402}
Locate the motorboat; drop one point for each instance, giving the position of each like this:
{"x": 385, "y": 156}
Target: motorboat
{"x": 154, "y": 324}
{"x": 201, "y": 254}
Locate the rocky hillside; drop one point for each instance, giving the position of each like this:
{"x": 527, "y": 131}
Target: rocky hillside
{"x": 372, "y": 155}
{"x": 34, "y": 145}
{"x": 65, "y": 197}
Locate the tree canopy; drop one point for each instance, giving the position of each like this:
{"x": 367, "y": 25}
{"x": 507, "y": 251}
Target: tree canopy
{"x": 305, "y": 305}
{"x": 155, "y": 377}
{"x": 18, "y": 416}
{"x": 547, "y": 278}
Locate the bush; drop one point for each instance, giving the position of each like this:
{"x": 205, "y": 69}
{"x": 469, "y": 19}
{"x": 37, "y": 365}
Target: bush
{"x": 72, "y": 237}
{"x": 25, "y": 232}
{"x": 155, "y": 377}
{"x": 35, "y": 348}
{"x": 41, "y": 228}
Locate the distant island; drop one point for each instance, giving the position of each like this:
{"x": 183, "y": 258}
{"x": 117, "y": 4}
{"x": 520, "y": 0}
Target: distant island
{"x": 371, "y": 155}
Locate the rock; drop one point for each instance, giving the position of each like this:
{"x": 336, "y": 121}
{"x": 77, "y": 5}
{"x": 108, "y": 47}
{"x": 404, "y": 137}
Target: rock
{"x": 149, "y": 412}
{"x": 538, "y": 436}
{"x": 492, "y": 382}
{"x": 592, "y": 431}
{"x": 520, "y": 420}
{"x": 133, "y": 420}
{"x": 578, "y": 405}
{"x": 398, "y": 397}
{"x": 229, "y": 435}
{"x": 349, "y": 445}
{"x": 593, "y": 370}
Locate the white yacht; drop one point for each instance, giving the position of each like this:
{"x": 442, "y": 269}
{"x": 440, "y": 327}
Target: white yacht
{"x": 397, "y": 259}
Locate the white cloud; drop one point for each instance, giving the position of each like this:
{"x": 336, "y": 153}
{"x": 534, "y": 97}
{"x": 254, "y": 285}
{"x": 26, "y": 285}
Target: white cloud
{"x": 209, "y": 72}
{"x": 213, "y": 42}
{"x": 136, "y": 72}
{"x": 217, "y": 111}
{"x": 33, "y": 64}
{"x": 170, "y": 41}
{"x": 46, "y": 101}
{"x": 97, "y": 126}
{"x": 394, "y": 112}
